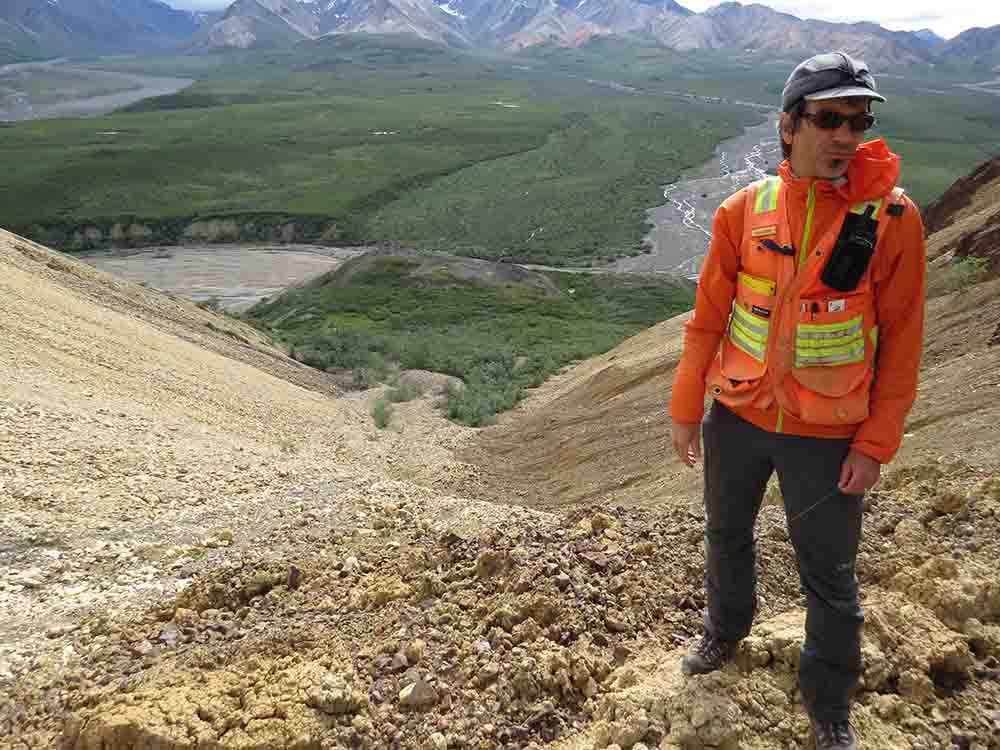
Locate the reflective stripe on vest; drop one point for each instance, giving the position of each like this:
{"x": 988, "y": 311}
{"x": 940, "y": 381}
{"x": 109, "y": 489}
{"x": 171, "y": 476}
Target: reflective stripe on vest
{"x": 767, "y": 195}
{"x": 828, "y": 344}
{"x": 749, "y": 333}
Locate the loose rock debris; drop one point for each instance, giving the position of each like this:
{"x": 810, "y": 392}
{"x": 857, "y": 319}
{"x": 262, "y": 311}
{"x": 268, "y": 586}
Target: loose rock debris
{"x": 534, "y": 630}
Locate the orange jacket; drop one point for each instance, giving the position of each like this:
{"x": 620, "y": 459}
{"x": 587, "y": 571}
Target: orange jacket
{"x": 894, "y": 287}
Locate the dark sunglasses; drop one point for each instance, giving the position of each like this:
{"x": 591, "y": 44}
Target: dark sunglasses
{"x": 829, "y": 120}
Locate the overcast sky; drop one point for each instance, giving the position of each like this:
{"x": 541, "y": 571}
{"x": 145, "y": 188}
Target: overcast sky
{"x": 945, "y": 18}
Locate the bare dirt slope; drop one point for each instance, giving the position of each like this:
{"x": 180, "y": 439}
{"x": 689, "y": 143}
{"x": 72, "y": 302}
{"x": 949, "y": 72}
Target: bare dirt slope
{"x": 204, "y": 546}
{"x": 136, "y": 428}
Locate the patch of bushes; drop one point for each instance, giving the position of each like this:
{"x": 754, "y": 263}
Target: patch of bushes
{"x": 404, "y": 392}
{"x": 498, "y": 340}
{"x": 958, "y": 276}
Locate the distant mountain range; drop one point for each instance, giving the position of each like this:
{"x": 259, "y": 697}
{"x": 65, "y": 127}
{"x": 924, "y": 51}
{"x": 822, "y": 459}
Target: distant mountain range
{"x": 514, "y": 24}
{"x": 50, "y": 28}
{"x": 38, "y": 28}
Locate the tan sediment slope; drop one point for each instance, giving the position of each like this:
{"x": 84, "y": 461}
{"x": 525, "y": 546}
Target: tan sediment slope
{"x": 204, "y": 546}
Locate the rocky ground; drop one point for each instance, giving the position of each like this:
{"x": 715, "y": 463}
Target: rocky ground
{"x": 370, "y": 616}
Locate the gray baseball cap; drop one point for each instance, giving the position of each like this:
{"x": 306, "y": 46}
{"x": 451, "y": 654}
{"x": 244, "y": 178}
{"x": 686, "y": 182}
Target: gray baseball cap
{"x": 832, "y": 75}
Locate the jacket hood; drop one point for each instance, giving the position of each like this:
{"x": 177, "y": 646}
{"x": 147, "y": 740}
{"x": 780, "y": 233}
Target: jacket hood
{"x": 872, "y": 173}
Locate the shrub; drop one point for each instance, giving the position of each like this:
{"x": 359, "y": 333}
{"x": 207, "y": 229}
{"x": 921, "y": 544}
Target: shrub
{"x": 405, "y": 392}
{"x": 958, "y": 276}
{"x": 382, "y": 413}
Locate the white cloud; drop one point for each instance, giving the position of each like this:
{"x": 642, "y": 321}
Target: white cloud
{"x": 947, "y": 20}
{"x": 199, "y": 4}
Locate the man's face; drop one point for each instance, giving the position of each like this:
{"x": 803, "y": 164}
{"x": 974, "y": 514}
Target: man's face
{"x": 824, "y": 153}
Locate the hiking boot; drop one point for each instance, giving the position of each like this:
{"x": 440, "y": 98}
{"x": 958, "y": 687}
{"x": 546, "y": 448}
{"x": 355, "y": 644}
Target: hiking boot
{"x": 834, "y": 735}
{"x": 707, "y": 654}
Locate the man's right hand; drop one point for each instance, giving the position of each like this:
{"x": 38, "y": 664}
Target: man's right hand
{"x": 687, "y": 442}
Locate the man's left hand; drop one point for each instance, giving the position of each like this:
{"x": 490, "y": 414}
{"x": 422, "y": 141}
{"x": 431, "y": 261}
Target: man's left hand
{"x": 858, "y": 474}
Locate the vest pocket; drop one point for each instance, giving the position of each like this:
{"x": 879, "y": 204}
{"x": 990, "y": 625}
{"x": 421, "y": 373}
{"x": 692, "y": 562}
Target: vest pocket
{"x": 744, "y": 351}
{"x": 830, "y": 344}
{"x": 749, "y": 332}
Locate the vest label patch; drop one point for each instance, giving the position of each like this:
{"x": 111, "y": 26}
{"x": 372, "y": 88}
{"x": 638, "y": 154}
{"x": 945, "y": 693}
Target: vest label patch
{"x": 762, "y": 312}
{"x": 764, "y": 231}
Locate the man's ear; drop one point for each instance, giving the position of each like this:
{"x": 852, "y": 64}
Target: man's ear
{"x": 785, "y": 128}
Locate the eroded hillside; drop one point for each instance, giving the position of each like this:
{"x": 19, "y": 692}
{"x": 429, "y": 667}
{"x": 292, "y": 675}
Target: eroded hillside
{"x": 207, "y": 546}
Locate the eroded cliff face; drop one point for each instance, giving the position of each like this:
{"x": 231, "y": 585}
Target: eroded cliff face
{"x": 962, "y": 195}
{"x": 126, "y": 233}
{"x": 965, "y": 221}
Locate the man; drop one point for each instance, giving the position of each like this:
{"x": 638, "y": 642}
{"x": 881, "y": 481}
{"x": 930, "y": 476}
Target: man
{"x": 807, "y": 332}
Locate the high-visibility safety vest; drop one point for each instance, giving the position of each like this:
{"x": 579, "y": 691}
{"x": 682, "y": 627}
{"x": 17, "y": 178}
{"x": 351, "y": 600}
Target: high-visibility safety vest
{"x": 790, "y": 337}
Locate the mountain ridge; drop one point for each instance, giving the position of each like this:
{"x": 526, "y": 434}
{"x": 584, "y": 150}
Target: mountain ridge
{"x": 515, "y": 24}
{"x": 44, "y": 28}
{"x": 32, "y": 29}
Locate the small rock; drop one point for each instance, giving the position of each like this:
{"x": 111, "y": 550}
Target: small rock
{"x": 419, "y": 694}
{"x": 438, "y": 742}
{"x": 294, "y": 578}
{"x": 489, "y": 563}
{"x": 601, "y": 521}
{"x": 350, "y": 564}
{"x": 616, "y": 622}
{"x": 489, "y": 673}
{"x": 950, "y": 502}
{"x": 621, "y": 654}
{"x": 169, "y": 634}
{"x": 563, "y": 581}
{"x": 415, "y": 651}
{"x": 778, "y": 533}
{"x": 644, "y": 548}
{"x": 185, "y": 618}
{"x": 33, "y": 578}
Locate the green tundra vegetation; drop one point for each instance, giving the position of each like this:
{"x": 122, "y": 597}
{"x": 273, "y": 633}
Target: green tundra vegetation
{"x": 549, "y": 156}
{"x": 498, "y": 338}
{"x": 505, "y": 157}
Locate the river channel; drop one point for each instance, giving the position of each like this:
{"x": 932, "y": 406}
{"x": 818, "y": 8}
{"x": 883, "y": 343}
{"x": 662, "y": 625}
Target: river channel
{"x": 232, "y": 276}
{"x": 678, "y": 238}
{"x": 16, "y": 102}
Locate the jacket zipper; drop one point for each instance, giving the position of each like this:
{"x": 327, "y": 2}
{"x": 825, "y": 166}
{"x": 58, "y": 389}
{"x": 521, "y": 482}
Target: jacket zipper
{"x": 803, "y": 255}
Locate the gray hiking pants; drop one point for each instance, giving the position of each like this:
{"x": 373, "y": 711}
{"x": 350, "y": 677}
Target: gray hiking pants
{"x": 739, "y": 459}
